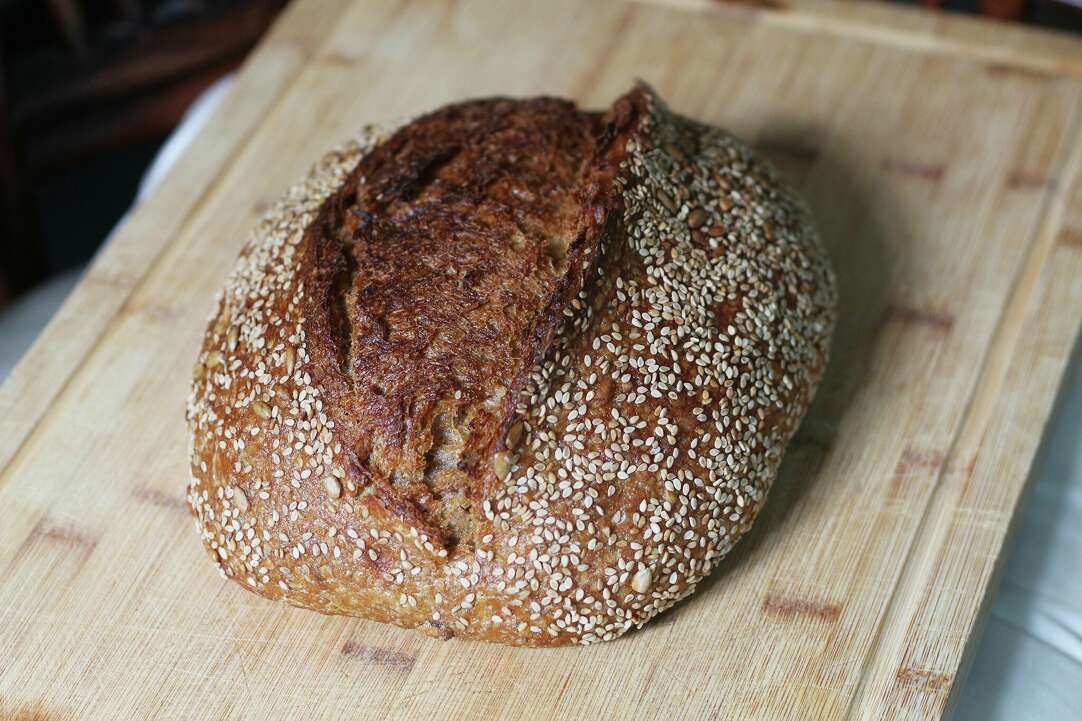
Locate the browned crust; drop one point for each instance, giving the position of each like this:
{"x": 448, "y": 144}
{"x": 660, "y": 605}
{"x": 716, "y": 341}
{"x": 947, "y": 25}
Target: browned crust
{"x": 516, "y": 372}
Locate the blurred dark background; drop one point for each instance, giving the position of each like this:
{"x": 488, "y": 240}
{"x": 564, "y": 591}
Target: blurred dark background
{"x": 90, "y": 89}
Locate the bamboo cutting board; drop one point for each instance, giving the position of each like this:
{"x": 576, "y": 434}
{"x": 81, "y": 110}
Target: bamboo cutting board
{"x": 941, "y": 158}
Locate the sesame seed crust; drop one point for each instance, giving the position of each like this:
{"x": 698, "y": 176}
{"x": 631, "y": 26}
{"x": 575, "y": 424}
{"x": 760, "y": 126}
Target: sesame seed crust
{"x": 586, "y": 480}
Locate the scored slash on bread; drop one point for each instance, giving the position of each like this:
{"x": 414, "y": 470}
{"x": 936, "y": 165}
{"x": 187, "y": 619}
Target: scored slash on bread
{"x": 513, "y": 371}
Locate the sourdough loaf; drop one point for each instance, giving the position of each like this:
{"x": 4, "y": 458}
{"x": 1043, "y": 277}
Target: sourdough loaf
{"x": 513, "y": 371}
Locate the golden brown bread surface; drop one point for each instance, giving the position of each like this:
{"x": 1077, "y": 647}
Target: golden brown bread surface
{"x": 513, "y": 372}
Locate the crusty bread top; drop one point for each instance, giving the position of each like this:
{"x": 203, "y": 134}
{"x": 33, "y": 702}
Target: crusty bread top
{"x": 434, "y": 286}
{"x": 515, "y": 372}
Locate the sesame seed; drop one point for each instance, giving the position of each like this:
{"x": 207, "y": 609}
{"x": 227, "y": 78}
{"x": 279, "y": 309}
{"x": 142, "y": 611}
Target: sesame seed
{"x": 334, "y": 489}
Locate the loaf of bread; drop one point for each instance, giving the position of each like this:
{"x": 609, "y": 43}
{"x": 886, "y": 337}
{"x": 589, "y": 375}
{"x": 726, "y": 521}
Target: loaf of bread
{"x": 513, "y": 371}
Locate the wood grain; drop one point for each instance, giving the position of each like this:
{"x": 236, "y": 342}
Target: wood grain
{"x": 944, "y": 172}
{"x": 1007, "y": 48}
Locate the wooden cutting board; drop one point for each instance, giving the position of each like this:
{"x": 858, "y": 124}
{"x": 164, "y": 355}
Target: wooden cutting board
{"x": 941, "y": 157}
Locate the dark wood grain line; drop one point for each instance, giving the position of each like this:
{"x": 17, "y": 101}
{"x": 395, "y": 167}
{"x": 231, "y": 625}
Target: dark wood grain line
{"x": 923, "y": 679}
{"x": 773, "y": 5}
{"x": 66, "y": 533}
{"x": 154, "y": 497}
{"x": 932, "y": 172}
{"x": 937, "y": 320}
{"x": 1071, "y": 237}
{"x": 1019, "y": 179}
{"x": 790, "y": 608}
{"x": 1004, "y": 70}
{"x": 378, "y": 656}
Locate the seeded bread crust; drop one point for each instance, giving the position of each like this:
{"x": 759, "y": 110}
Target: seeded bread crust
{"x": 513, "y": 372}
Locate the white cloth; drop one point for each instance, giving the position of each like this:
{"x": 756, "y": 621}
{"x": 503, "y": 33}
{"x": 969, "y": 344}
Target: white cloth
{"x": 1028, "y": 664}
{"x": 21, "y": 322}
